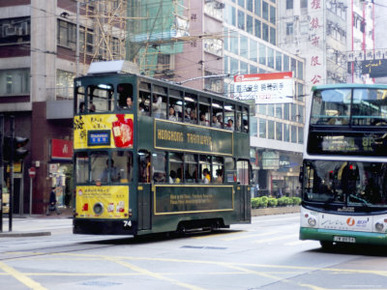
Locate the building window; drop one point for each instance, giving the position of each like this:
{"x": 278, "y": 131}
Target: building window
{"x": 257, "y": 28}
{"x": 66, "y": 34}
{"x": 265, "y": 10}
{"x": 257, "y": 7}
{"x": 241, "y": 20}
{"x": 289, "y": 28}
{"x": 289, "y": 4}
{"x": 304, "y": 4}
{"x": 265, "y": 32}
{"x": 14, "y": 82}
{"x": 64, "y": 84}
{"x": 262, "y": 128}
{"x": 15, "y": 30}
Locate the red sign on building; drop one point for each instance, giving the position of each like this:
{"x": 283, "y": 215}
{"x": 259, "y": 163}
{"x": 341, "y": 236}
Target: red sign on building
{"x": 61, "y": 149}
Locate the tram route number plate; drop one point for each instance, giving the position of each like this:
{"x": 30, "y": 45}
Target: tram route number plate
{"x": 344, "y": 239}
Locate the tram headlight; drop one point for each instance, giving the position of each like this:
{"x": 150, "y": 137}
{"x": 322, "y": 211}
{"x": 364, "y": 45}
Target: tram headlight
{"x": 379, "y": 226}
{"x": 312, "y": 221}
{"x": 98, "y": 208}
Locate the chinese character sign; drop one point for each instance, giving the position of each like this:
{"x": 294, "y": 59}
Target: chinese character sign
{"x": 264, "y": 88}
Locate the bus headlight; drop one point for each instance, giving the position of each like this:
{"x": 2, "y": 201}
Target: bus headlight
{"x": 379, "y": 226}
{"x": 312, "y": 221}
{"x": 98, "y": 208}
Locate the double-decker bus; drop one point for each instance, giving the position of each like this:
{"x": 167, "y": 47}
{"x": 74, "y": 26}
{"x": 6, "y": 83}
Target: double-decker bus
{"x": 344, "y": 177}
{"x": 151, "y": 156}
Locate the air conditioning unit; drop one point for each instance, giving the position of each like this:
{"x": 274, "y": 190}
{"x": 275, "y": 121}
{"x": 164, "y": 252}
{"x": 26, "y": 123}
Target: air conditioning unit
{"x": 9, "y": 30}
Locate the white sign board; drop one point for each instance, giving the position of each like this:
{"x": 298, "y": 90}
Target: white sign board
{"x": 264, "y": 88}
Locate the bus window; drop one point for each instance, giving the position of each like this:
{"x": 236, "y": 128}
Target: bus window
{"x": 82, "y": 167}
{"x": 144, "y": 164}
{"x": 175, "y": 167}
{"x": 80, "y": 96}
{"x": 99, "y": 162}
{"x": 123, "y": 160}
{"x": 100, "y": 98}
{"x": 159, "y": 167}
{"x": 205, "y": 168}
{"x": 125, "y": 96}
{"x": 190, "y": 168}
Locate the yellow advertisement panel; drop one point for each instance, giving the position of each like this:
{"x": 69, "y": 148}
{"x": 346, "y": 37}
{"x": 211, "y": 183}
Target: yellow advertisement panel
{"x": 104, "y": 202}
{"x": 103, "y": 131}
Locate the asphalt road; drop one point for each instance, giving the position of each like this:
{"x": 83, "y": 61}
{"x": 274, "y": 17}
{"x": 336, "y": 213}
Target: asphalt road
{"x": 263, "y": 255}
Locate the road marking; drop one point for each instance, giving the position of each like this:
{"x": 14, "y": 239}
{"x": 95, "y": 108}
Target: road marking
{"x": 21, "y": 277}
{"x": 250, "y": 236}
{"x": 154, "y": 275}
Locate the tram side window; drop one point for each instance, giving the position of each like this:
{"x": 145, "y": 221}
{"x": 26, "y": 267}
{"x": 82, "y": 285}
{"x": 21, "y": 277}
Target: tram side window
{"x": 145, "y": 167}
{"x": 205, "y": 169}
{"x": 100, "y": 98}
{"x": 229, "y": 117}
{"x": 125, "y": 96}
{"x": 217, "y": 168}
{"x": 176, "y": 101}
{"x": 123, "y": 161}
{"x": 159, "y": 167}
{"x": 229, "y": 169}
{"x": 245, "y": 120}
{"x": 191, "y": 112}
{"x": 217, "y": 114}
{"x": 144, "y": 103}
{"x": 159, "y": 102}
{"x": 243, "y": 172}
{"x": 190, "y": 168}
{"x": 204, "y": 112}
{"x": 238, "y": 123}
{"x": 80, "y": 95}
{"x": 82, "y": 167}
{"x": 175, "y": 167}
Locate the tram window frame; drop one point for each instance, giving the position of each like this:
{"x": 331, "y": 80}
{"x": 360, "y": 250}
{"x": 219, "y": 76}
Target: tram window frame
{"x": 229, "y": 113}
{"x": 217, "y": 110}
{"x": 205, "y": 163}
{"x": 204, "y": 110}
{"x": 245, "y": 119}
{"x": 175, "y": 163}
{"x": 82, "y": 172}
{"x": 217, "y": 167}
{"x": 159, "y": 167}
{"x": 81, "y": 100}
{"x": 98, "y": 102}
{"x": 159, "y": 102}
{"x": 238, "y": 122}
{"x": 191, "y": 108}
{"x": 175, "y": 101}
{"x": 124, "y": 90}
{"x": 145, "y": 172}
{"x": 190, "y": 161}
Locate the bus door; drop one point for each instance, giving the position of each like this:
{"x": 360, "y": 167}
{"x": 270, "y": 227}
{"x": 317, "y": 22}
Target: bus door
{"x": 144, "y": 191}
{"x": 242, "y": 191}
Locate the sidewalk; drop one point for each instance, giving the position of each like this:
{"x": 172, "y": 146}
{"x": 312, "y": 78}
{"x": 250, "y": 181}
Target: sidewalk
{"x": 36, "y": 225}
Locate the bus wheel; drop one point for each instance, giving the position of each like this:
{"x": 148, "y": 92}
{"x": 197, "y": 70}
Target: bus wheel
{"x": 326, "y": 245}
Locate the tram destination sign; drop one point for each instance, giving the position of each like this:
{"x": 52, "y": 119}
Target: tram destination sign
{"x": 190, "y": 138}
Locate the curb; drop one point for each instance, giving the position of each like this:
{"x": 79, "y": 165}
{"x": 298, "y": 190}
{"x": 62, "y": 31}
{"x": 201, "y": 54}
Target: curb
{"x": 274, "y": 210}
{"x": 20, "y": 234}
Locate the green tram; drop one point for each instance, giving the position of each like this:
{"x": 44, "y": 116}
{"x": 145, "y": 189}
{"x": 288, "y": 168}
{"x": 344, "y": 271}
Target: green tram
{"x": 151, "y": 156}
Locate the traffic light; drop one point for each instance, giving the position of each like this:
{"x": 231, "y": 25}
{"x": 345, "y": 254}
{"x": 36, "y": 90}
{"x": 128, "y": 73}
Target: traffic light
{"x": 13, "y": 149}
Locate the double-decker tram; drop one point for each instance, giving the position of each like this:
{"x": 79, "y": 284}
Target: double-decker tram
{"x": 344, "y": 177}
{"x": 151, "y": 156}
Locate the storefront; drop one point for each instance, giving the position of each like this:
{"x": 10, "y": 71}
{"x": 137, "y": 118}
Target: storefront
{"x": 60, "y": 170}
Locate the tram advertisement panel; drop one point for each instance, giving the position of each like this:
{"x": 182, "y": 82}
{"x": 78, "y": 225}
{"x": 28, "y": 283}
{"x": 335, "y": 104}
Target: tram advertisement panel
{"x": 189, "y": 138}
{"x": 187, "y": 199}
{"x": 102, "y": 201}
{"x": 103, "y": 131}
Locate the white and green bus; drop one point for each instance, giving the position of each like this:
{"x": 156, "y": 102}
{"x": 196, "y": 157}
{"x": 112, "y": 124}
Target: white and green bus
{"x": 344, "y": 173}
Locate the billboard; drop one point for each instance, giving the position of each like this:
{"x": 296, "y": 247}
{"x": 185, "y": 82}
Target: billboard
{"x": 264, "y": 88}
